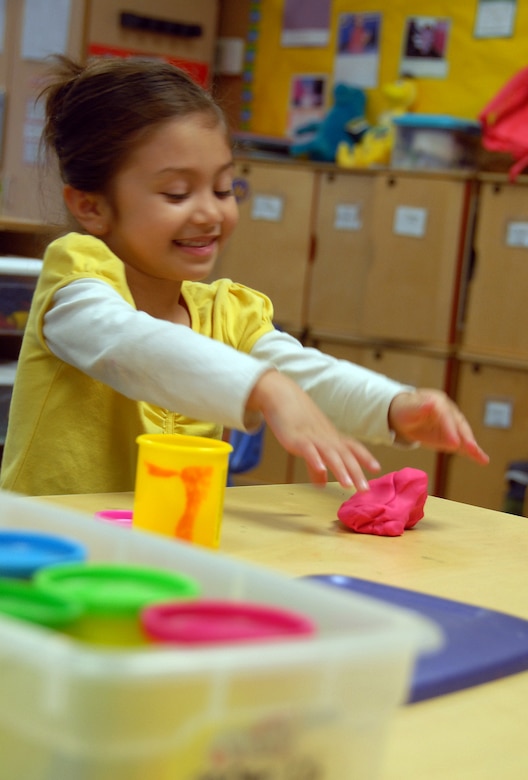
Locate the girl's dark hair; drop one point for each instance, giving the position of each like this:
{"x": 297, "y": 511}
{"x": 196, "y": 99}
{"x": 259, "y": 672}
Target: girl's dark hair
{"x": 97, "y": 113}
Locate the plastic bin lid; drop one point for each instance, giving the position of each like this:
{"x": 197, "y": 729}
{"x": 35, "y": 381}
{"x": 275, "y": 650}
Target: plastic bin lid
{"x": 437, "y": 122}
{"x": 215, "y": 622}
{"x": 22, "y": 553}
{"x": 117, "y": 589}
{"x": 24, "y": 601}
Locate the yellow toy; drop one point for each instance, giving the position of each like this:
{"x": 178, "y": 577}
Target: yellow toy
{"x": 375, "y": 145}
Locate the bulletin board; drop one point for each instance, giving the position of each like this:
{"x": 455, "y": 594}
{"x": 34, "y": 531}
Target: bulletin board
{"x": 477, "y": 67}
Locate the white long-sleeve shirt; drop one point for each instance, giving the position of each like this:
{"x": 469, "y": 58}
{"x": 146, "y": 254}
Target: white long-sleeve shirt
{"x": 136, "y": 354}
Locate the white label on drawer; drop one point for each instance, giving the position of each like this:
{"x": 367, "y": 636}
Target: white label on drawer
{"x": 498, "y": 414}
{"x": 347, "y": 217}
{"x": 267, "y": 207}
{"x": 517, "y": 234}
{"x": 410, "y": 221}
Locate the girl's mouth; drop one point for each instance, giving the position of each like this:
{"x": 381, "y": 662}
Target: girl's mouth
{"x": 203, "y": 248}
{"x": 198, "y": 243}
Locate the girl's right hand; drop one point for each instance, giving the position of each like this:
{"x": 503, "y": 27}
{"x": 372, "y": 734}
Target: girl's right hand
{"x": 305, "y": 431}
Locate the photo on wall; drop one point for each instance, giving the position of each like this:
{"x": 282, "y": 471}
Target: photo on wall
{"x": 425, "y": 43}
{"x": 306, "y": 23}
{"x": 307, "y": 103}
{"x": 357, "y": 55}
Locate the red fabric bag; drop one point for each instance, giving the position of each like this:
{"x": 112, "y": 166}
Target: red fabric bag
{"x": 505, "y": 122}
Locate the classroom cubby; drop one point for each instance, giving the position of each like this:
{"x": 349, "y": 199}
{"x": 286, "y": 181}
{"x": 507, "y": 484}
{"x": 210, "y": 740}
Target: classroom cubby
{"x": 419, "y": 256}
{"x": 343, "y": 251}
{"x": 271, "y": 247}
{"x": 496, "y": 322}
{"x": 493, "y": 397}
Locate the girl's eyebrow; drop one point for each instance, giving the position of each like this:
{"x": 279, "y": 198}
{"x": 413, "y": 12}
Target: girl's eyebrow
{"x": 172, "y": 169}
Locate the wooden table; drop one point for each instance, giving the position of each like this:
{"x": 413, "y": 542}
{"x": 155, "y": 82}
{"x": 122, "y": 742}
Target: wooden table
{"x": 457, "y": 551}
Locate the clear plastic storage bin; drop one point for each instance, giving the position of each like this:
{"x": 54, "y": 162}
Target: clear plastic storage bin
{"x": 316, "y": 707}
{"x": 424, "y": 141}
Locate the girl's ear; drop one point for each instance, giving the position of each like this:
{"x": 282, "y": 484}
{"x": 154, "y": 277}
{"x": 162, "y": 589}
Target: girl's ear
{"x": 90, "y": 210}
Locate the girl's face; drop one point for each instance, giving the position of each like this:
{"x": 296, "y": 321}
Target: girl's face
{"x": 172, "y": 206}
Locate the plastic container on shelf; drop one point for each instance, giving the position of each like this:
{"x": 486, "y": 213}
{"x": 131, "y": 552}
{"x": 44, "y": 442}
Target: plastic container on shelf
{"x": 425, "y": 141}
{"x": 321, "y": 705}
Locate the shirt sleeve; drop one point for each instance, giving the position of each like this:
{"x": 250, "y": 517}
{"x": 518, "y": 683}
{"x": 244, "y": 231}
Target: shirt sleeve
{"x": 355, "y": 398}
{"x": 92, "y": 328}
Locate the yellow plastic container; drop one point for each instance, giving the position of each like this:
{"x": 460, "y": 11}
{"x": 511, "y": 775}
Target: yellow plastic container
{"x": 180, "y": 486}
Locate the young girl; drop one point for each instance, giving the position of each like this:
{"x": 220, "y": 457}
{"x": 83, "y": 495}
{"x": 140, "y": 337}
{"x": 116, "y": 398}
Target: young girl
{"x": 124, "y": 337}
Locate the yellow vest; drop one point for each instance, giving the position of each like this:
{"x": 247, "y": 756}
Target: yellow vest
{"x": 69, "y": 433}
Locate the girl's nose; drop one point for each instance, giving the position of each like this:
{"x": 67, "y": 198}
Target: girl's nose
{"x": 207, "y": 209}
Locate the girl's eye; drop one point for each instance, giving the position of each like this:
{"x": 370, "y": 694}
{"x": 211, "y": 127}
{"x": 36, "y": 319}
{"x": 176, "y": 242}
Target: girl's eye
{"x": 176, "y": 197}
{"x": 224, "y": 193}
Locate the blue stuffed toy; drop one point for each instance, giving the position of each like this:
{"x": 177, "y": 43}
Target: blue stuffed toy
{"x": 349, "y": 106}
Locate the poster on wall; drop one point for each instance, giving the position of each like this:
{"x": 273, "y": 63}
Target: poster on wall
{"x": 199, "y": 71}
{"x": 425, "y": 46}
{"x": 307, "y": 101}
{"x": 357, "y": 57}
{"x": 306, "y": 23}
{"x": 495, "y": 18}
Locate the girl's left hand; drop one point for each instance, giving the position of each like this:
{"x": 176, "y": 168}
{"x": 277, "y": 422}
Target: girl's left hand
{"x": 431, "y": 418}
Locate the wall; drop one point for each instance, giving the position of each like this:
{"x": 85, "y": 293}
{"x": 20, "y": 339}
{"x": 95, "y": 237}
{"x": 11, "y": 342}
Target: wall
{"x": 477, "y": 67}
{"x": 29, "y": 191}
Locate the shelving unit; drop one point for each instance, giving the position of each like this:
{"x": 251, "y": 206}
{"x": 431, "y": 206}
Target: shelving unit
{"x": 370, "y": 266}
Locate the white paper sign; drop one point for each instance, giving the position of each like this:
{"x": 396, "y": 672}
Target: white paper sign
{"x": 33, "y": 127}
{"x": 45, "y": 30}
{"x": 347, "y": 217}
{"x": 410, "y": 221}
{"x": 498, "y": 414}
{"x": 495, "y": 18}
{"x": 267, "y": 207}
{"x": 517, "y": 234}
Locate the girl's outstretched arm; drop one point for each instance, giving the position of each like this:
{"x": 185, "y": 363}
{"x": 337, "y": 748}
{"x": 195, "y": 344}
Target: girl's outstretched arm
{"x": 304, "y": 430}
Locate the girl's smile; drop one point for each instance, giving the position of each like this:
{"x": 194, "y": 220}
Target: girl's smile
{"x": 197, "y": 246}
{"x": 172, "y": 207}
